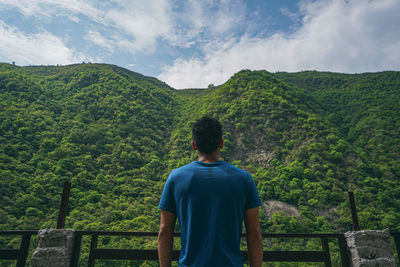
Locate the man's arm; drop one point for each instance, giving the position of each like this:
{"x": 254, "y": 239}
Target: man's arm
{"x": 254, "y": 238}
{"x": 165, "y": 238}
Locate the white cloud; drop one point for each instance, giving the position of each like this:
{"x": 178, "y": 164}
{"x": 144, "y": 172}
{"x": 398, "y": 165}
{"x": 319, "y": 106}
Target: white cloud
{"x": 291, "y": 15}
{"x": 214, "y": 18}
{"x": 40, "y": 48}
{"x": 229, "y": 17}
{"x": 343, "y": 36}
{"x": 136, "y": 26}
{"x": 144, "y": 23}
{"x": 100, "y": 40}
{"x": 49, "y": 8}
{"x": 200, "y": 21}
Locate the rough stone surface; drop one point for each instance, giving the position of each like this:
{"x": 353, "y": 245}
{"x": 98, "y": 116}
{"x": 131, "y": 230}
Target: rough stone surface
{"x": 54, "y": 248}
{"x": 370, "y": 248}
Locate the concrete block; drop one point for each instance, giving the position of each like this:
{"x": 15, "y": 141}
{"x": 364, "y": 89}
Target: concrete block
{"x": 370, "y": 248}
{"x": 54, "y": 248}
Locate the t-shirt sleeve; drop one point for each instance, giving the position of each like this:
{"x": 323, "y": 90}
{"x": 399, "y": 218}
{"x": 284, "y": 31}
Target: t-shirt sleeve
{"x": 167, "y": 201}
{"x": 253, "y": 199}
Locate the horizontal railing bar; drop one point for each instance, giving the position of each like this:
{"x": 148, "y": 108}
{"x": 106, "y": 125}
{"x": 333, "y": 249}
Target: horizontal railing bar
{"x": 270, "y": 235}
{"x": 296, "y": 256}
{"x": 18, "y": 232}
{"x": 129, "y": 254}
{"x": 120, "y": 233}
{"x": 88, "y": 232}
{"x": 9, "y": 254}
{"x": 137, "y": 254}
{"x": 306, "y": 235}
{"x": 127, "y": 233}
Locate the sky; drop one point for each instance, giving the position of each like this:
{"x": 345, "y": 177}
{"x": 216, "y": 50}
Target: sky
{"x": 195, "y": 43}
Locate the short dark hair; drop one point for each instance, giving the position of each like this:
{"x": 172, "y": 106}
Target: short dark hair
{"x": 207, "y": 134}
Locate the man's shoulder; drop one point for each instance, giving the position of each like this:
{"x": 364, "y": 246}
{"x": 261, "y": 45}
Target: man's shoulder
{"x": 237, "y": 170}
{"x": 182, "y": 169}
{"x": 193, "y": 166}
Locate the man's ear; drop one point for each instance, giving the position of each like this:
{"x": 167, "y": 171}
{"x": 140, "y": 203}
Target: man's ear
{"x": 221, "y": 143}
{"x": 194, "y": 146}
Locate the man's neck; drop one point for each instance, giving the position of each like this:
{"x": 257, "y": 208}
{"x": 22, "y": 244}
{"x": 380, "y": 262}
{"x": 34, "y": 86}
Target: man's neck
{"x": 209, "y": 158}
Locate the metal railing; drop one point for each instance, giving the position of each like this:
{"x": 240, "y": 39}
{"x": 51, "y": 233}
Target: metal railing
{"x": 20, "y": 254}
{"x": 96, "y": 253}
{"x": 323, "y": 255}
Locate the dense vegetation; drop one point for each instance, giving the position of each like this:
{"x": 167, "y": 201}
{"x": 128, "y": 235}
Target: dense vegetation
{"x": 307, "y": 138}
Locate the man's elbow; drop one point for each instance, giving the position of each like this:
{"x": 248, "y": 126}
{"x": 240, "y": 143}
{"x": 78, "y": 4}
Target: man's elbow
{"x": 254, "y": 235}
{"x": 164, "y": 232}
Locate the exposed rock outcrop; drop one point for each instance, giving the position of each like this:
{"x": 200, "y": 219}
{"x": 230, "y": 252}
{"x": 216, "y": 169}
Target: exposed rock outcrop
{"x": 272, "y": 206}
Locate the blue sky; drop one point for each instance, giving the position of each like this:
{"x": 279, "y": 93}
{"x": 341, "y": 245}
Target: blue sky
{"x": 195, "y": 43}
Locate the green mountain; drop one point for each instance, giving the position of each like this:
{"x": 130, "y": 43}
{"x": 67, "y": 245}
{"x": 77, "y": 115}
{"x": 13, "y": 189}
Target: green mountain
{"x": 100, "y": 127}
{"x": 307, "y": 138}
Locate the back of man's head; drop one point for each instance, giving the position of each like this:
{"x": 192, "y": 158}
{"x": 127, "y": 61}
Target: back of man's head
{"x": 207, "y": 134}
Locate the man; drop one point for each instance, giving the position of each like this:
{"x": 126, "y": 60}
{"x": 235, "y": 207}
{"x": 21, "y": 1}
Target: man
{"x": 211, "y": 198}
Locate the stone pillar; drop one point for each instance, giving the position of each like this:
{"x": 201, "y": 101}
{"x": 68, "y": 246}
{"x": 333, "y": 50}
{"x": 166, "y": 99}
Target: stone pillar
{"x": 54, "y": 249}
{"x": 370, "y": 248}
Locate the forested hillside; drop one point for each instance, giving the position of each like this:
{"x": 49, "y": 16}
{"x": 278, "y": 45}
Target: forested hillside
{"x": 307, "y": 138}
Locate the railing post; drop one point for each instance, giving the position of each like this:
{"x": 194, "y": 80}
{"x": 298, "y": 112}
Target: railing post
{"x": 344, "y": 254}
{"x": 325, "y": 248}
{"x": 63, "y": 206}
{"x": 93, "y": 245}
{"x": 396, "y": 237}
{"x": 76, "y": 251}
{"x": 356, "y": 227}
{"x": 24, "y": 248}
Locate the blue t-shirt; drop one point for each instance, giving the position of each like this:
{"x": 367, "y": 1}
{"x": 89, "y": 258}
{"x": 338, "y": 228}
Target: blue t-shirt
{"x": 210, "y": 200}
